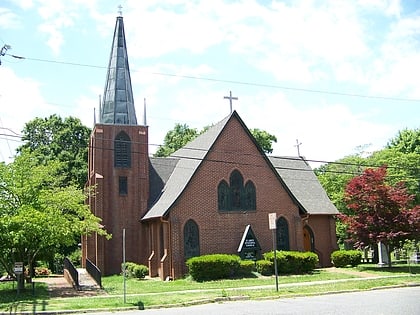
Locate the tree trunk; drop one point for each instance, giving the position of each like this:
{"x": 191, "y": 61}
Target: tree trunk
{"x": 375, "y": 256}
{"x": 388, "y": 253}
{"x": 21, "y": 282}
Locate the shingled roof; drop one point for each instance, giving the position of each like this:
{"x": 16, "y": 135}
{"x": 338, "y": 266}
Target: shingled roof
{"x": 169, "y": 176}
{"x": 189, "y": 158}
{"x": 302, "y": 182}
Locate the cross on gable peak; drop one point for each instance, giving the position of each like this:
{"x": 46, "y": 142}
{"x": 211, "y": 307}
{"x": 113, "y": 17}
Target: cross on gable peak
{"x": 230, "y": 98}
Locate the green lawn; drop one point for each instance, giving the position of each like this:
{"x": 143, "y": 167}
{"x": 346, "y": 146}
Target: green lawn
{"x": 154, "y": 293}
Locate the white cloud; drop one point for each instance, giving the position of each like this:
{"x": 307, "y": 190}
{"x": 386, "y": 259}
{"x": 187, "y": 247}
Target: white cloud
{"x": 8, "y": 19}
{"x": 21, "y": 102}
{"x": 308, "y": 44}
{"x": 59, "y": 15}
{"x": 24, "y": 4}
{"x": 394, "y": 71}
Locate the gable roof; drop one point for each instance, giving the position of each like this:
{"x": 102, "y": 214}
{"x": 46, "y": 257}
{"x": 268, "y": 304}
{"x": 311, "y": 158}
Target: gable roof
{"x": 167, "y": 184}
{"x": 189, "y": 158}
{"x": 301, "y": 180}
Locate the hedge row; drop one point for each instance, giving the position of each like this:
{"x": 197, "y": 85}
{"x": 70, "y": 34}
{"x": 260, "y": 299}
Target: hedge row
{"x": 213, "y": 267}
{"x": 223, "y": 266}
{"x": 343, "y": 258}
{"x": 293, "y": 262}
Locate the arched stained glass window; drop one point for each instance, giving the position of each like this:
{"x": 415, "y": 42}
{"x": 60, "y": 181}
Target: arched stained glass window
{"x": 122, "y": 150}
{"x": 236, "y": 190}
{"x": 191, "y": 239}
{"x": 223, "y": 196}
{"x": 236, "y": 196}
{"x": 282, "y": 234}
{"x": 250, "y": 196}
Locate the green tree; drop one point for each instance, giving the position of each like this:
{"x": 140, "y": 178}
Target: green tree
{"x": 400, "y": 167}
{"x": 182, "y": 134}
{"x": 406, "y": 141}
{"x": 65, "y": 140}
{"x": 176, "y": 139}
{"x": 334, "y": 177}
{"x": 401, "y": 158}
{"x": 37, "y": 213}
{"x": 264, "y": 139}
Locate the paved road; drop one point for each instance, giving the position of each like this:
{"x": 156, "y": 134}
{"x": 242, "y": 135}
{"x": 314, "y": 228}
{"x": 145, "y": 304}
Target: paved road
{"x": 386, "y": 302}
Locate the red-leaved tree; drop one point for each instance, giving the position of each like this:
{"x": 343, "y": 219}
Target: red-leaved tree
{"x": 380, "y": 212}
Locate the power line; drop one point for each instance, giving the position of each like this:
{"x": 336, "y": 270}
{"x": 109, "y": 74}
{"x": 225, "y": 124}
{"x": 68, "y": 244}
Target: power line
{"x": 365, "y": 165}
{"x": 265, "y": 85}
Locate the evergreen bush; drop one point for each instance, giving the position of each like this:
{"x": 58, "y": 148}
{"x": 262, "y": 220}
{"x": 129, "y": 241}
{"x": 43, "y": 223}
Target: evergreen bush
{"x": 265, "y": 267}
{"x": 293, "y": 262}
{"x": 213, "y": 267}
{"x": 343, "y": 258}
{"x": 134, "y": 270}
{"x": 246, "y": 268}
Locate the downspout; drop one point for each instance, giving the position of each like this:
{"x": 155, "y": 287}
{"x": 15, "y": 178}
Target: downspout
{"x": 169, "y": 246}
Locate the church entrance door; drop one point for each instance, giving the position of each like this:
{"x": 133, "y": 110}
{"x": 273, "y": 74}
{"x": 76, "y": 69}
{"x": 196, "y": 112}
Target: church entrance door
{"x": 308, "y": 239}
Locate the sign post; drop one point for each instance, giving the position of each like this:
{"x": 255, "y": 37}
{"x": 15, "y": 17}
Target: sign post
{"x": 18, "y": 270}
{"x": 272, "y": 217}
{"x": 124, "y": 268}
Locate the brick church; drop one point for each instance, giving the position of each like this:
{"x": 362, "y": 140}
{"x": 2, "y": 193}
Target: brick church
{"x": 212, "y": 196}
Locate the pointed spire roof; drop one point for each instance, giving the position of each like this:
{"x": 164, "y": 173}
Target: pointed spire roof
{"x": 118, "y": 102}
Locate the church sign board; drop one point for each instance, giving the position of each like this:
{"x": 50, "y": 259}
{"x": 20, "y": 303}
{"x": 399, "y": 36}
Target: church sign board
{"x": 249, "y": 248}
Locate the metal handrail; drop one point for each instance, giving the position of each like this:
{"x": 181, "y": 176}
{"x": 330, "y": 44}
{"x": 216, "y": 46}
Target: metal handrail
{"x": 74, "y": 274}
{"x": 94, "y": 272}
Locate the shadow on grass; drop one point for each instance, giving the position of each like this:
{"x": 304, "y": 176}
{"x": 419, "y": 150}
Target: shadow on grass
{"x": 33, "y": 299}
{"x": 413, "y": 269}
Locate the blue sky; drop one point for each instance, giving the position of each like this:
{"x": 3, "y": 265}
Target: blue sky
{"x": 337, "y": 75}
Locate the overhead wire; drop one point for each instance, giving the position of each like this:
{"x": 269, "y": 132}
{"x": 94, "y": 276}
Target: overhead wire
{"x": 241, "y": 83}
{"x": 365, "y": 165}
{"x": 266, "y": 85}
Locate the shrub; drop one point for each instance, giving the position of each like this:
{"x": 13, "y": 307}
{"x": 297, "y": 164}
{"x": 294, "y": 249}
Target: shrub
{"x": 76, "y": 257}
{"x": 213, "y": 267}
{"x": 292, "y": 262}
{"x": 265, "y": 267}
{"x": 134, "y": 270}
{"x": 42, "y": 271}
{"x": 343, "y": 258}
{"x": 246, "y": 268}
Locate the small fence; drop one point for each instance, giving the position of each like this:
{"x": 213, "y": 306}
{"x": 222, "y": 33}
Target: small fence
{"x": 72, "y": 271}
{"x": 94, "y": 272}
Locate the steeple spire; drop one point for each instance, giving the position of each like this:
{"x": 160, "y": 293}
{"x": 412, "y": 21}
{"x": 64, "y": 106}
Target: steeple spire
{"x": 118, "y": 101}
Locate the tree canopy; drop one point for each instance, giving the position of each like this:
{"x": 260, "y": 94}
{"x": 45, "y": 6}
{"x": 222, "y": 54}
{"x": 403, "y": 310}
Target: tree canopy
{"x": 406, "y": 141}
{"x": 264, "y": 139}
{"x": 402, "y": 163}
{"x": 65, "y": 140}
{"x": 181, "y": 134}
{"x": 381, "y": 212}
{"x": 176, "y": 139}
{"x": 37, "y": 213}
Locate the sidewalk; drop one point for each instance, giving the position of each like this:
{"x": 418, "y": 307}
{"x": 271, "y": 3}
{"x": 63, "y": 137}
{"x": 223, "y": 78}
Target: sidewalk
{"x": 59, "y": 287}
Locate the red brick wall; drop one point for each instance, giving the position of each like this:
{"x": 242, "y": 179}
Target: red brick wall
{"x": 323, "y": 228}
{"x": 220, "y": 231}
{"x": 117, "y": 211}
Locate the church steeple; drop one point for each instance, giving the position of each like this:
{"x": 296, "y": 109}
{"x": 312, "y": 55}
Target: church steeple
{"x": 118, "y": 102}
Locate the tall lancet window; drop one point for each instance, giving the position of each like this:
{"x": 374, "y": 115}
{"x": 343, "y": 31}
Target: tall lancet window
{"x": 191, "y": 239}
{"x": 122, "y": 150}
